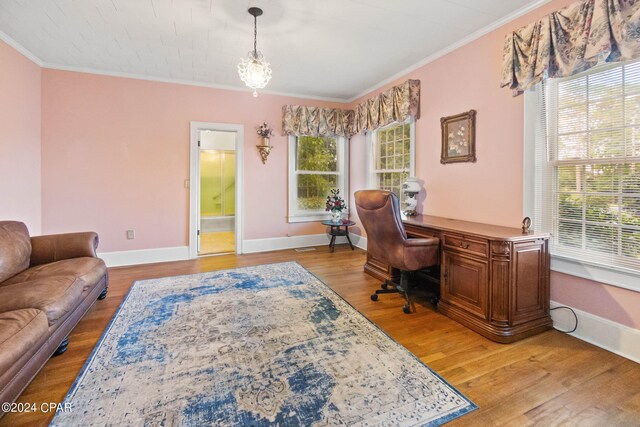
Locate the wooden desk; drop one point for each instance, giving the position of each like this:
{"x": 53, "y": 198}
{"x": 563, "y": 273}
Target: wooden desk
{"x": 493, "y": 279}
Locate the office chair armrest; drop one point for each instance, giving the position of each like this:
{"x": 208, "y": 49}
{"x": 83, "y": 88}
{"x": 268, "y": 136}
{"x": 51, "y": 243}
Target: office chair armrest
{"x": 431, "y": 241}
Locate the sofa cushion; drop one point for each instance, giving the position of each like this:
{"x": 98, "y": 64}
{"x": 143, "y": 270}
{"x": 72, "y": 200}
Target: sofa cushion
{"x": 55, "y": 288}
{"x": 15, "y": 249}
{"x": 20, "y": 331}
{"x": 88, "y": 269}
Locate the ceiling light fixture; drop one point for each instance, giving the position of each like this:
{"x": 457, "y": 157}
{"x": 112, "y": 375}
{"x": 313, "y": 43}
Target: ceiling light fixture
{"x": 254, "y": 71}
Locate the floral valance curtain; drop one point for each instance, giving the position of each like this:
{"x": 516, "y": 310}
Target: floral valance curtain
{"x": 572, "y": 40}
{"x": 299, "y": 120}
{"x": 394, "y": 105}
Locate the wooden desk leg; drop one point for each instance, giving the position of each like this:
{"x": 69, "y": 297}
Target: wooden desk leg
{"x": 332, "y": 243}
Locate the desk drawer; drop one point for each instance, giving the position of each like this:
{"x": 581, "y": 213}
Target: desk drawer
{"x": 467, "y": 244}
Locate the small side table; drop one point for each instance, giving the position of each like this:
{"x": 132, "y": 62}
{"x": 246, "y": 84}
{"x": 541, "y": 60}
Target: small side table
{"x": 336, "y": 230}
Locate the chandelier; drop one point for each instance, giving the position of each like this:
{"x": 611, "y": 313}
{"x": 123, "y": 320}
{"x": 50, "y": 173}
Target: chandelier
{"x": 254, "y": 71}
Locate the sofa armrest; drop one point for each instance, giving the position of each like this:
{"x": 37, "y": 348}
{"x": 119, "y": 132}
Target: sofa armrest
{"x": 56, "y": 247}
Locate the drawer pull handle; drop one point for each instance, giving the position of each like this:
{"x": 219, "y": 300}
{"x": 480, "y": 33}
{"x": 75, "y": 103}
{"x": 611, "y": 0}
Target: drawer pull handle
{"x": 464, "y": 245}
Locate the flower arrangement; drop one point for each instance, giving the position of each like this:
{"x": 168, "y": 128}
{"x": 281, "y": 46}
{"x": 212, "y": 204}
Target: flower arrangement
{"x": 335, "y": 203}
{"x": 264, "y": 130}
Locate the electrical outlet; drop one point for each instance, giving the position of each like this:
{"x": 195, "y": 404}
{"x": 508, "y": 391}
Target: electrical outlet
{"x": 186, "y": 183}
{"x": 131, "y": 234}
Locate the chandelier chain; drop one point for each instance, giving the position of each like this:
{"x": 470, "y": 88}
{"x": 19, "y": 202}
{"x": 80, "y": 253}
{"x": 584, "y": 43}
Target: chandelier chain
{"x": 255, "y": 35}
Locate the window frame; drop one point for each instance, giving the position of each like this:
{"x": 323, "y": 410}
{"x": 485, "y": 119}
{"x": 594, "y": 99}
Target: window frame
{"x": 534, "y": 132}
{"x": 371, "y": 140}
{"x": 293, "y": 214}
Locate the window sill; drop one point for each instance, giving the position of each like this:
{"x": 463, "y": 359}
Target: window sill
{"x": 313, "y": 216}
{"x": 619, "y": 277}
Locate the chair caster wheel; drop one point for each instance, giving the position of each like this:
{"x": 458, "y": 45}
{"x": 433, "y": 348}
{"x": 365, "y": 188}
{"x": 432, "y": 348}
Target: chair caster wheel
{"x": 406, "y": 309}
{"x": 385, "y": 285}
{"x": 374, "y": 297}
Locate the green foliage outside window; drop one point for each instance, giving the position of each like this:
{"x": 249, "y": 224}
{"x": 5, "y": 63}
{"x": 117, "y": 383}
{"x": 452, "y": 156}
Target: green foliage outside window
{"x": 317, "y": 169}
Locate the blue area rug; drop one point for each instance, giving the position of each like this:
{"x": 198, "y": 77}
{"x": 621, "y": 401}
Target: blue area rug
{"x": 256, "y": 346}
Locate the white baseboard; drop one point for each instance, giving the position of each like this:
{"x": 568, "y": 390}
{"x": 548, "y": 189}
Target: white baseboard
{"x": 144, "y": 256}
{"x": 180, "y": 253}
{"x": 291, "y": 242}
{"x": 604, "y": 333}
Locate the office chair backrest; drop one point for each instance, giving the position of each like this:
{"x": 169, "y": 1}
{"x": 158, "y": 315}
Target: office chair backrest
{"x": 379, "y": 212}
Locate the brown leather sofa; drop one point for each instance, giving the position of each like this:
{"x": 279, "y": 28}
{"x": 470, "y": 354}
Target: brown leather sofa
{"x": 47, "y": 283}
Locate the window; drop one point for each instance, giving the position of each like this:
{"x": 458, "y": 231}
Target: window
{"x": 587, "y": 171}
{"x": 316, "y": 165}
{"x": 391, "y": 156}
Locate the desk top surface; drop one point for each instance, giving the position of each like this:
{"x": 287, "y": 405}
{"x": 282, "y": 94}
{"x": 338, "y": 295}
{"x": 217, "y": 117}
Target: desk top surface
{"x": 471, "y": 228}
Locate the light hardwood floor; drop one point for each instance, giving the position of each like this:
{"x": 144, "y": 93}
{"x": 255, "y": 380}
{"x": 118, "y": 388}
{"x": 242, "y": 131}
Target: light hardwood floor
{"x": 218, "y": 242}
{"x": 547, "y": 380}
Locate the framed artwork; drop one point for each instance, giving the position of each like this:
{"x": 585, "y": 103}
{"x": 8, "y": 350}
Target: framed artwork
{"x": 459, "y": 138}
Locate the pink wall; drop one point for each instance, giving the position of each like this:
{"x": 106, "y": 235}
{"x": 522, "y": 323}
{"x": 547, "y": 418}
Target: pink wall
{"x": 116, "y": 153}
{"x": 490, "y": 190}
{"x": 617, "y": 304}
{"x": 20, "y": 191}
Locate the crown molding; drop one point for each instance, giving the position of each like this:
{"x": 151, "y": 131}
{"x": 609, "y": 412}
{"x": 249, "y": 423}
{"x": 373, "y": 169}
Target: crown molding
{"x": 89, "y": 70}
{"x": 17, "y": 46}
{"x": 470, "y": 38}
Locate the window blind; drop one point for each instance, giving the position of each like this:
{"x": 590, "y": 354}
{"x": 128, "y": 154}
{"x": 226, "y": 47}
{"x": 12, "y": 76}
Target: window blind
{"x": 587, "y": 168}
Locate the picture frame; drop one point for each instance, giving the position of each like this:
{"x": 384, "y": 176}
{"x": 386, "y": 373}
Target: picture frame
{"x": 458, "y": 138}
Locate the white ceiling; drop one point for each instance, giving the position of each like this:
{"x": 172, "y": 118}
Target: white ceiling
{"x": 333, "y": 49}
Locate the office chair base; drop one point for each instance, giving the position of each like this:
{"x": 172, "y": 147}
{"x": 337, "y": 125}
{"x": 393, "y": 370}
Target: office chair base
{"x": 385, "y": 289}
{"x": 374, "y": 297}
{"x": 395, "y": 288}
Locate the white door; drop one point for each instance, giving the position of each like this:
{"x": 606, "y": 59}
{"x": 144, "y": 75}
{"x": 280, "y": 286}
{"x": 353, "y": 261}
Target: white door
{"x": 215, "y": 189}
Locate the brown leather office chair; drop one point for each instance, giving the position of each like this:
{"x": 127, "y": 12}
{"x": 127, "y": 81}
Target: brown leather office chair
{"x": 379, "y": 212}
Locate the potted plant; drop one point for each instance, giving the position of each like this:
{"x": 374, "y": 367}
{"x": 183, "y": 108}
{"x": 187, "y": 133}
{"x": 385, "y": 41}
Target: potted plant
{"x": 265, "y": 131}
{"x": 335, "y": 204}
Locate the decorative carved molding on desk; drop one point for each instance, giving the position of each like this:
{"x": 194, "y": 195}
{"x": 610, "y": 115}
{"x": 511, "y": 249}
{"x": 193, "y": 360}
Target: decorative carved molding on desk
{"x": 493, "y": 279}
{"x": 501, "y": 248}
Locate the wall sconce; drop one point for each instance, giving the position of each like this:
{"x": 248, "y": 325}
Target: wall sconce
{"x": 265, "y": 132}
{"x": 264, "y": 149}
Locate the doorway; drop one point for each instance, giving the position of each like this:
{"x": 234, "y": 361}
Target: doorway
{"x": 215, "y": 189}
